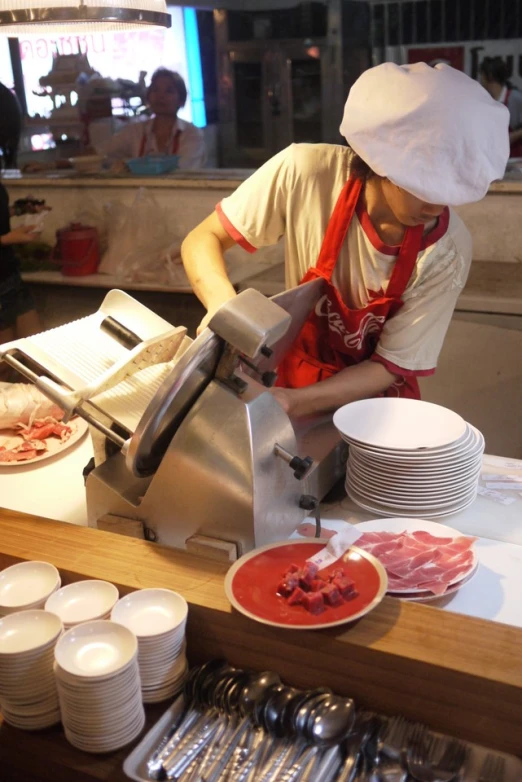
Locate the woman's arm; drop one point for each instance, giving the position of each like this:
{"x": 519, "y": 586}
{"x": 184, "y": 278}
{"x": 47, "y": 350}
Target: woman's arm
{"x": 202, "y": 252}
{"x": 360, "y": 381}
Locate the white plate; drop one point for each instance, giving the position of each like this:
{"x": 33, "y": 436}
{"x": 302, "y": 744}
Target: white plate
{"x": 461, "y": 445}
{"x": 27, "y": 632}
{"x": 416, "y": 486}
{"x": 26, "y": 583}
{"x": 82, "y": 601}
{"x": 419, "y": 512}
{"x": 407, "y": 496}
{"x": 151, "y": 612}
{"x": 407, "y": 524}
{"x": 388, "y": 472}
{"x": 96, "y": 649}
{"x": 429, "y": 597}
{"x": 55, "y": 446}
{"x": 422, "y": 457}
{"x": 413, "y": 506}
{"x": 399, "y": 423}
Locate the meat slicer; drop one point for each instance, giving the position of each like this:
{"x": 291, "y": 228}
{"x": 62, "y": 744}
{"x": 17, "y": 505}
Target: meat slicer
{"x": 195, "y": 445}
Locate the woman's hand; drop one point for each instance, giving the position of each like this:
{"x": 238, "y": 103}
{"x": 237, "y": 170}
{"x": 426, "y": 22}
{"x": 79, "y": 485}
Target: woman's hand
{"x": 21, "y": 235}
{"x": 286, "y": 398}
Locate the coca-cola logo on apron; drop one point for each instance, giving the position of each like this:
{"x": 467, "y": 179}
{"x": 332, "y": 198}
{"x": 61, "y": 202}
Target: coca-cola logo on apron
{"x": 369, "y": 324}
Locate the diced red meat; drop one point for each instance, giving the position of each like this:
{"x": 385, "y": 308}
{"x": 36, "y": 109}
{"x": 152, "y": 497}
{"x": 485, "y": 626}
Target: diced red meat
{"x": 296, "y": 598}
{"x": 307, "y": 575}
{"x": 345, "y": 585}
{"x": 304, "y": 586}
{"x": 332, "y": 595}
{"x": 314, "y": 602}
{"x": 317, "y": 585}
{"x": 288, "y": 584}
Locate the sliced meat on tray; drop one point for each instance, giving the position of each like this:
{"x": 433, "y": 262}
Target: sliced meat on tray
{"x": 419, "y": 560}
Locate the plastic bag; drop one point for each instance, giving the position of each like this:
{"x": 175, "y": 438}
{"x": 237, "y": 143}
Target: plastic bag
{"x": 143, "y": 242}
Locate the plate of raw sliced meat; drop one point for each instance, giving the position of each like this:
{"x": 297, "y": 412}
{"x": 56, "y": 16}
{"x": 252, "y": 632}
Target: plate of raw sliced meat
{"x": 38, "y": 440}
{"x": 424, "y": 560}
{"x": 276, "y": 585}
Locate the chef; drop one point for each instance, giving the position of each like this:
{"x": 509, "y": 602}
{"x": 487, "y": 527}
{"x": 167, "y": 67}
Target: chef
{"x": 372, "y": 220}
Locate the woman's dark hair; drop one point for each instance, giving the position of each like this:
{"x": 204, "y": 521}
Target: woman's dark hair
{"x": 176, "y": 80}
{"x": 495, "y": 69}
{"x": 10, "y": 126}
{"x": 359, "y": 169}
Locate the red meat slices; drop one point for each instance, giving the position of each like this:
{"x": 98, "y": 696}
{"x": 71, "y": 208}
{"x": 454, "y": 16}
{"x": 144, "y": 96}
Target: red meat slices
{"x": 45, "y": 427}
{"x": 420, "y": 560}
{"x": 23, "y": 452}
{"x": 305, "y": 587}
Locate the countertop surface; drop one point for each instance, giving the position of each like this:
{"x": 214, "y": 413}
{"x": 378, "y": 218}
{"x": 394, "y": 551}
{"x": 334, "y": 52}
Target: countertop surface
{"x": 208, "y": 178}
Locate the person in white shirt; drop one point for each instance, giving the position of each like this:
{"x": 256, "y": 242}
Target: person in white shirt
{"x": 165, "y": 133}
{"x": 372, "y": 221}
{"x": 493, "y": 75}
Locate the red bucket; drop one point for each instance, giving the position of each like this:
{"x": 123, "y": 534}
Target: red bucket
{"x": 77, "y": 250}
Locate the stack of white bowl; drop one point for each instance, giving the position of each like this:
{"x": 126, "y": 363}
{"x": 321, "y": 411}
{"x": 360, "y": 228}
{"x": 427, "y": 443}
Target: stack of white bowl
{"x": 98, "y": 680}
{"x": 27, "y": 586}
{"x": 157, "y": 617}
{"x": 28, "y": 697}
{"x": 410, "y": 458}
{"x": 83, "y": 601}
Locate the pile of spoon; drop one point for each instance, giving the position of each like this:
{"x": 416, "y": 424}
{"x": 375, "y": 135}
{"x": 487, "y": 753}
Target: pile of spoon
{"x": 240, "y": 726}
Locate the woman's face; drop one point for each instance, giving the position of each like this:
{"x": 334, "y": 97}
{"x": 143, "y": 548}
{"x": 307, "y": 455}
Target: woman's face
{"x": 408, "y": 209}
{"x": 164, "y": 97}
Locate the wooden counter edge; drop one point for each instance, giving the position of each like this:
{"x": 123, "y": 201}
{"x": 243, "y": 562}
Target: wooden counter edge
{"x": 461, "y": 674}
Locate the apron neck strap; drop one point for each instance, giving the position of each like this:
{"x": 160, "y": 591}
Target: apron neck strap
{"x": 336, "y": 234}
{"x": 337, "y": 228}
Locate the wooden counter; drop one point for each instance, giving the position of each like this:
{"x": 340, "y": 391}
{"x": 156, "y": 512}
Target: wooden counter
{"x": 460, "y": 675}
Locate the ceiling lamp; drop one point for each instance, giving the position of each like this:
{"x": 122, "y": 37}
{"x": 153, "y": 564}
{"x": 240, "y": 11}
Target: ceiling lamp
{"x": 49, "y": 17}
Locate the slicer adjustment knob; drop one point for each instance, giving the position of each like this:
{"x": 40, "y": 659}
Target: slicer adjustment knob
{"x": 300, "y": 466}
{"x": 266, "y": 351}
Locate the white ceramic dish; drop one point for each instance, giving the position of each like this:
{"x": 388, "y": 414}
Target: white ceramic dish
{"x": 83, "y": 601}
{"x": 151, "y": 612}
{"x": 25, "y": 584}
{"x": 420, "y": 512}
{"x": 55, "y": 446}
{"x": 96, "y": 649}
{"x": 399, "y": 423}
{"x": 28, "y": 631}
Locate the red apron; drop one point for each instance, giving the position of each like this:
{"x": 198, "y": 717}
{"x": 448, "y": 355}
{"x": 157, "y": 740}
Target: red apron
{"x": 334, "y": 336}
{"x": 516, "y": 146}
{"x": 175, "y": 143}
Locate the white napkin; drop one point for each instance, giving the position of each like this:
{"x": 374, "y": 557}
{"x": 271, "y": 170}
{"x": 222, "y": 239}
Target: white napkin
{"x": 336, "y": 546}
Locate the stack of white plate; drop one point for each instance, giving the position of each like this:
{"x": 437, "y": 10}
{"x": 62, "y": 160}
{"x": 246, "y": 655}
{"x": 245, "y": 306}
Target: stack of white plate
{"x": 98, "y": 680}
{"x": 27, "y": 586}
{"x": 157, "y": 617}
{"x": 28, "y": 697}
{"x": 409, "y": 458}
{"x": 83, "y": 601}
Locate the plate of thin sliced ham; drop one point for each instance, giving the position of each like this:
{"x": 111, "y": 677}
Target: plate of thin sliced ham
{"x": 423, "y": 559}
{"x": 38, "y": 440}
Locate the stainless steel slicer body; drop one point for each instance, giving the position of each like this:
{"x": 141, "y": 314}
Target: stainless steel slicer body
{"x": 205, "y": 457}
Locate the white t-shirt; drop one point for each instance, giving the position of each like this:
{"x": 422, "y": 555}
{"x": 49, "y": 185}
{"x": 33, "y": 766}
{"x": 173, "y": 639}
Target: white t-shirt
{"x": 294, "y": 194}
{"x": 128, "y": 143}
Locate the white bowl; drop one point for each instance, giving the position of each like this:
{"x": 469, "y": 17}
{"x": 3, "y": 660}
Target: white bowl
{"x": 87, "y": 163}
{"x": 82, "y": 601}
{"x": 27, "y": 583}
{"x": 150, "y": 612}
{"x": 96, "y": 649}
{"x": 28, "y": 631}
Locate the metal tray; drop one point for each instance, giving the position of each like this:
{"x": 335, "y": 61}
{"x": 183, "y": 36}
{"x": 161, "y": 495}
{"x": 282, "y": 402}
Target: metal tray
{"x": 135, "y": 766}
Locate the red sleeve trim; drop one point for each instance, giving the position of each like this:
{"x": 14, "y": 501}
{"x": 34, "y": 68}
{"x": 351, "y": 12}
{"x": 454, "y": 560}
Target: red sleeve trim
{"x": 395, "y": 370}
{"x": 232, "y": 231}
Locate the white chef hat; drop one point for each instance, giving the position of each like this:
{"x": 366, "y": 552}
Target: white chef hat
{"x": 432, "y": 131}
